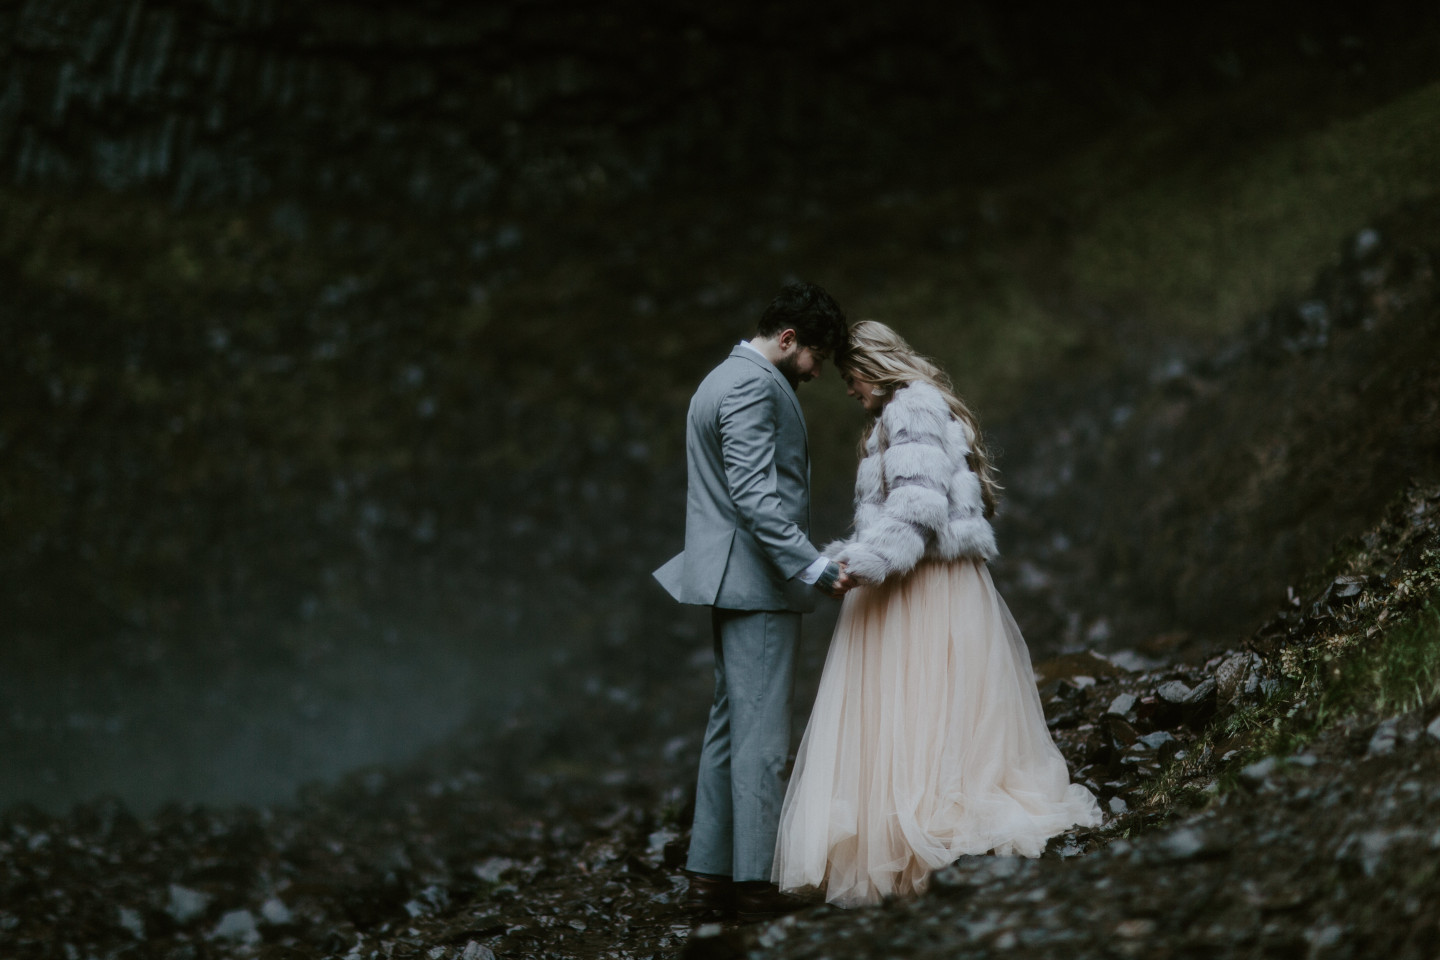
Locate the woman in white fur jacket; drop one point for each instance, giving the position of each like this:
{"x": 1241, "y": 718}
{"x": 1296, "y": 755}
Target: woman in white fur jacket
{"x": 927, "y": 740}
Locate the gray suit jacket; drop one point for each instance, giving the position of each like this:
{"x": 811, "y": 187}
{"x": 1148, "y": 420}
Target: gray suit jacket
{"x": 747, "y": 512}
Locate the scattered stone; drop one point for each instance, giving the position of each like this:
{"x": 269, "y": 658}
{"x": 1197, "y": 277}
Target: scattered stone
{"x": 1344, "y": 587}
{"x": 1370, "y": 848}
{"x": 657, "y": 841}
{"x": 1134, "y": 662}
{"x": 1258, "y": 772}
{"x": 1202, "y": 692}
{"x": 1173, "y": 691}
{"x": 1434, "y": 728}
{"x": 1123, "y": 732}
{"x": 274, "y": 911}
{"x": 1125, "y": 702}
{"x": 474, "y": 950}
{"x": 236, "y": 925}
{"x": 1118, "y": 806}
{"x": 186, "y": 904}
{"x": 1135, "y": 929}
{"x": 1158, "y": 739}
{"x": 1324, "y": 936}
{"x": 1237, "y": 676}
{"x": 1367, "y": 241}
{"x": 1382, "y": 741}
{"x": 493, "y": 869}
{"x": 1185, "y": 843}
{"x": 131, "y": 920}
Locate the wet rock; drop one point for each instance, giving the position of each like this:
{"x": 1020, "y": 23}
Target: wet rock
{"x": 1370, "y": 848}
{"x": 1134, "y": 662}
{"x": 1366, "y": 242}
{"x": 1382, "y": 741}
{"x": 131, "y": 920}
{"x": 1158, "y": 739}
{"x": 274, "y": 911}
{"x": 1184, "y": 843}
{"x": 476, "y": 951}
{"x": 1123, "y": 733}
{"x": 713, "y": 941}
{"x": 1122, "y": 704}
{"x": 1257, "y": 773}
{"x": 1237, "y": 676}
{"x": 1202, "y": 692}
{"x": 238, "y": 926}
{"x": 186, "y": 904}
{"x": 1173, "y": 691}
{"x": 659, "y": 842}
{"x": 493, "y": 869}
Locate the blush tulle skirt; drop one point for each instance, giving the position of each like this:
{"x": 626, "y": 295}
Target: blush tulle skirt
{"x": 927, "y": 742}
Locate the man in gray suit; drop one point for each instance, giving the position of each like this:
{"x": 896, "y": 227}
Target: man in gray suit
{"x": 749, "y": 558}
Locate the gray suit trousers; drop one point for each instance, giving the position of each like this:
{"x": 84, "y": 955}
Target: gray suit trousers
{"x": 747, "y": 742}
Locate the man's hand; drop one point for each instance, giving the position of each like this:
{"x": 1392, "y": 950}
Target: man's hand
{"x": 843, "y": 584}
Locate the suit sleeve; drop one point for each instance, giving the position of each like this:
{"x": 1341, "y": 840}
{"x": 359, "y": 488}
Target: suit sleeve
{"x": 747, "y": 439}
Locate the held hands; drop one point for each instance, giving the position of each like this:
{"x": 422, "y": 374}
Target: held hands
{"x": 843, "y": 584}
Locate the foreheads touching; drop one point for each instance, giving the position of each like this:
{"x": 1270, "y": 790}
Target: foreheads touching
{"x": 801, "y": 329}
{"x": 877, "y": 360}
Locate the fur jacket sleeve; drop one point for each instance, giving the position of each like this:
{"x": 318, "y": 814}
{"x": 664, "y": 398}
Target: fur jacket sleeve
{"x": 917, "y": 498}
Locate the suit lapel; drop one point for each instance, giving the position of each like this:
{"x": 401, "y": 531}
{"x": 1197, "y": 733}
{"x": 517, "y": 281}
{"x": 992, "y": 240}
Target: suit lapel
{"x": 745, "y": 353}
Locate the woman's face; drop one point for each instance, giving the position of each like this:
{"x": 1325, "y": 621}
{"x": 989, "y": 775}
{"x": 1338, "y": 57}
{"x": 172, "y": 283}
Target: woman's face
{"x": 864, "y": 391}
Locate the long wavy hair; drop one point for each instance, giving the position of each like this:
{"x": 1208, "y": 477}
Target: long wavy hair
{"x": 877, "y": 354}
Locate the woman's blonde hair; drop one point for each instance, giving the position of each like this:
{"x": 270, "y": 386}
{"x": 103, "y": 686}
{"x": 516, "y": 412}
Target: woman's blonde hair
{"x": 877, "y": 354}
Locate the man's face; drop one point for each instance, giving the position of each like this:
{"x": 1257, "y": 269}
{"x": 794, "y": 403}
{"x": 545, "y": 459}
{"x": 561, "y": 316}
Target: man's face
{"x": 799, "y": 364}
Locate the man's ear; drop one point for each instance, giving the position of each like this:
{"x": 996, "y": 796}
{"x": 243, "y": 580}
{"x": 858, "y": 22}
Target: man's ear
{"x": 786, "y": 339}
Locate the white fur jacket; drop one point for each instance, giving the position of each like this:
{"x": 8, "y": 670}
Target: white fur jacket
{"x": 918, "y": 499}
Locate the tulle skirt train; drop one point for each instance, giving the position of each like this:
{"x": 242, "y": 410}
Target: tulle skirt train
{"x": 927, "y": 742}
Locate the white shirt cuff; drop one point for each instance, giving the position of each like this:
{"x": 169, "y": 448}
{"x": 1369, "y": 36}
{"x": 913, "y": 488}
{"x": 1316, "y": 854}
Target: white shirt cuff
{"x": 812, "y": 573}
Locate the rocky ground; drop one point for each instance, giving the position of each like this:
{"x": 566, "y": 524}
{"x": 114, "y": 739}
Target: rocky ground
{"x": 1250, "y": 813}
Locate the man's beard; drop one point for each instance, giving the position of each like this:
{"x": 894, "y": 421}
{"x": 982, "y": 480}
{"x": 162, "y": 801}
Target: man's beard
{"x": 790, "y": 367}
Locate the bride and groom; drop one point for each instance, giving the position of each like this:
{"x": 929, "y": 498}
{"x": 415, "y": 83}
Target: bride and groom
{"x": 927, "y": 740}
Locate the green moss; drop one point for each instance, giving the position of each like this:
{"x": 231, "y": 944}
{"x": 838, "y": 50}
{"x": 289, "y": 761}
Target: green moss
{"x": 1387, "y": 672}
{"x": 1390, "y": 678}
{"x": 1202, "y": 248}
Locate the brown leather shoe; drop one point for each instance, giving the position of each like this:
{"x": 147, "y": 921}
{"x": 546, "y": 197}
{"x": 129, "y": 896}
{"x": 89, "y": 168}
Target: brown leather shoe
{"x": 710, "y": 896}
{"x": 756, "y": 900}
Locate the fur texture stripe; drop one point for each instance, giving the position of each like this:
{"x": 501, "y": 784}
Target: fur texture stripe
{"x": 918, "y": 461}
{"x": 917, "y": 412}
{"x": 925, "y": 508}
{"x": 965, "y": 500}
{"x": 892, "y": 546}
{"x": 867, "y": 479}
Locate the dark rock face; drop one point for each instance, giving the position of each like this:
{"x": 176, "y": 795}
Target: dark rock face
{"x": 459, "y": 107}
{"x": 1162, "y": 510}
